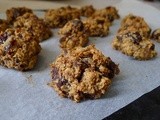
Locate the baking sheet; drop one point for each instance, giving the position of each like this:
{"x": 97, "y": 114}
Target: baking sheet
{"x": 26, "y": 96}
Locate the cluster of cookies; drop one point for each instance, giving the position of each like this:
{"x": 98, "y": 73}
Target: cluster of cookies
{"x": 20, "y": 36}
{"x": 133, "y": 38}
{"x": 77, "y": 25}
{"x": 81, "y": 72}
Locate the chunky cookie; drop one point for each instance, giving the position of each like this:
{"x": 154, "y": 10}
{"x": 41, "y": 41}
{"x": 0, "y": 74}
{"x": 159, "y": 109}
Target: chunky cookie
{"x": 73, "y": 34}
{"x": 132, "y": 22}
{"x": 132, "y": 43}
{"x": 34, "y": 25}
{"x": 83, "y": 73}
{"x": 13, "y": 13}
{"x": 156, "y": 35}
{"x": 98, "y": 26}
{"x": 57, "y": 18}
{"x": 3, "y": 25}
{"x": 18, "y": 49}
{"x": 87, "y": 11}
{"x": 110, "y": 12}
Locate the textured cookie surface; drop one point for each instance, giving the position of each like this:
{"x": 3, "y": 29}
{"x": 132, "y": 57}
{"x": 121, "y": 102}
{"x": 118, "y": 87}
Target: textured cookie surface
{"x": 73, "y": 34}
{"x": 34, "y": 25}
{"x": 83, "y": 73}
{"x": 132, "y": 22}
{"x": 132, "y": 43}
{"x": 97, "y": 26}
{"x": 15, "y": 12}
{"x": 18, "y": 49}
{"x": 87, "y": 11}
{"x": 59, "y": 17}
{"x": 3, "y": 25}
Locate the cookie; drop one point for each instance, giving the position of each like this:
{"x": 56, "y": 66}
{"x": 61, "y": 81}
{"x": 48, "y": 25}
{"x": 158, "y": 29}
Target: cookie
{"x": 133, "y": 44}
{"x": 18, "y": 49}
{"x": 68, "y": 42}
{"x": 110, "y": 13}
{"x": 34, "y": 25}
{"x": 57, "y": 18}
{"x": 98, "y": 26}
{"x": 73, "y": 34}
{"x": 87, "y": 11}
{"x": 83, "y": 73}
{"x": 156, "y": 35}
{"x": 71, "y": 27}
{"x": 3, "y": 25}
{"x": 132, "y": 22}
{"x": 15, "y": 12}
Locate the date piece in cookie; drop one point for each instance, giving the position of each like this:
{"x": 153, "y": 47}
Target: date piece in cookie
{"x": 34, "y": 25}
{"x": 110, "y": 12}
{"x": 98, "y": 26}
{"x": 57, "y": 18}
{"x": 132, "y": 43}
{"x": 87, "y": 11}
{"x": 15, "y": 12}
{"x": 132, "y": 22}
{"x": 3, "y": 25}
{"x": 156, "y": 35}
{"x": 83, "y": 73}
{"x": 73, "y": 35}
{"x": 18, "y": 49}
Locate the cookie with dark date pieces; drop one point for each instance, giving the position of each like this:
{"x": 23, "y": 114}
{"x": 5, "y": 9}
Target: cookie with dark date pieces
{"x": 110, "y": 13}
{"x": 15, "y": 12}
{"x": 3, "y": 25}
{"x": 132, "y": 43}
{"x": 87, "y": 11}
{"x": 97, "y": 26}
{"x": 34, "y": 25}
{"x": 73, "y": 34}
{"x": 82, "y": 73}
{"x": 133, "y": 22}
{"x": 18, "y": 49}
{"x": 156, "y": 35}
{"x": 57, "y": 18}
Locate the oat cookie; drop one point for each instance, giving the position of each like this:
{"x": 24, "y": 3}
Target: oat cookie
{"x": 83, "y": 73}
{"x": 34, "y": 25}
{"x": 98, "y": 26}
{"x": 3, "y": 25}
{"x": 87, "y": 11}
{"x": 18, "y": 49}
{"x": 156, "y": 35}
{"x": 132, "y": 22}
{"x": 132, "y": 43}
{"x": 110, "y": 12}
{"x": 73, "y": 34}
{"x": 15, "y": 12}
{"x": 71, "y": 27}
{"x": 57, "y": 18}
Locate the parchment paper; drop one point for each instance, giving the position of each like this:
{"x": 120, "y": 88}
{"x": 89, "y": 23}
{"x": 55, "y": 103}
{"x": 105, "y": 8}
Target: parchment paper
{"x": 26, "y": 96}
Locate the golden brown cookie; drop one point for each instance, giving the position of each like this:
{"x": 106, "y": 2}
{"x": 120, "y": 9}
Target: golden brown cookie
{"x": 98, "y": 26}
{"x": 83, "y": 73}
{"x": 34, "y": 25}
{"x": 132, "y": 43}
{"x": 15, "y": 12}
{"x": 57, "y": 18}
{"x": 87, "y": 11}
{"x": 132, "y": 22}
{"x": 3, "y": 25}
{"x": 110, "y": 12}
{"x": 73, "y": 34}
{"x": 18, "y": 49}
